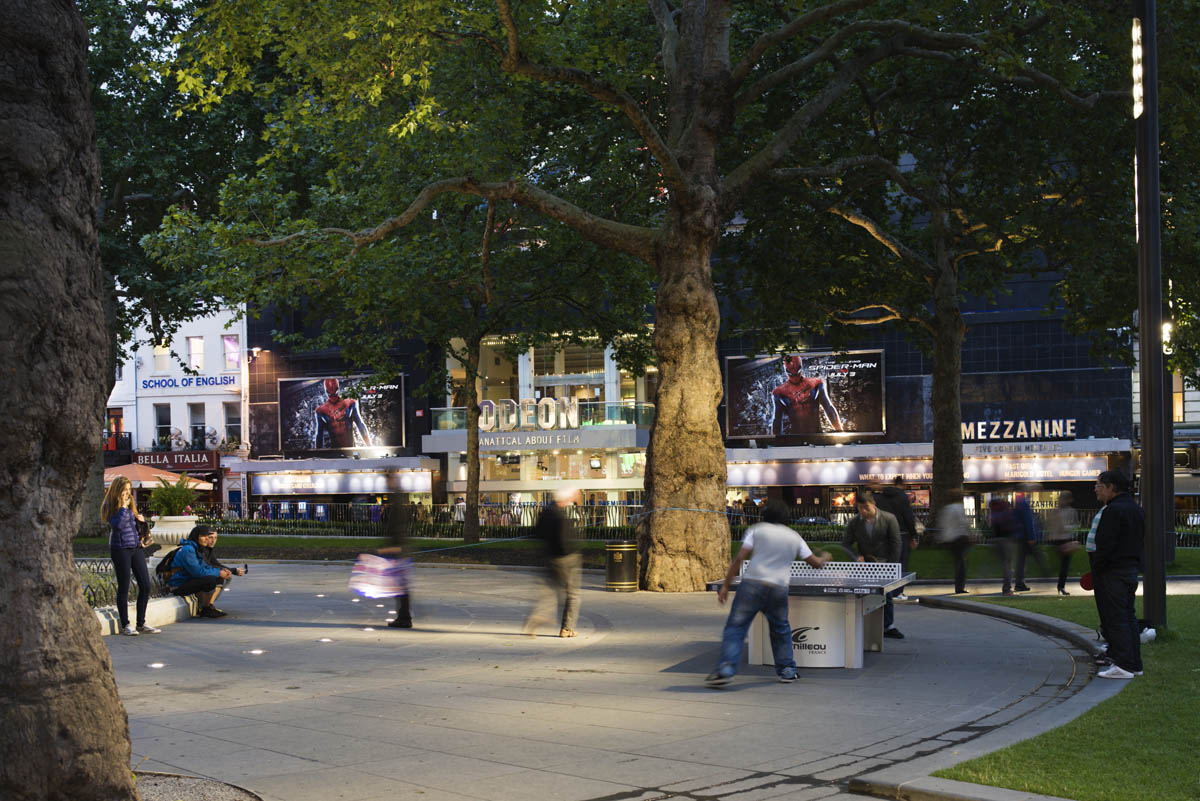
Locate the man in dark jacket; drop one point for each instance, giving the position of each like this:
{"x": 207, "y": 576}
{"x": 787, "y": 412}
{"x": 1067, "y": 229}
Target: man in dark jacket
{"x": 554, "y": 528}
{"x": 1114, "y": 548}
{"x": 875, "y": 534}
{"x": 191, "y": 575}
{"x": 894, "y": 499}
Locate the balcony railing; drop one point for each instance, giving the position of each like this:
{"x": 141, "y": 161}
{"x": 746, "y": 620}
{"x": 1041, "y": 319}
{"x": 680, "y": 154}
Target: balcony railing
{"x": 591, "y": 413}
{"x": 119, "y": 441}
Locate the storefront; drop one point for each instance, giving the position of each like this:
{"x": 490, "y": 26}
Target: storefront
{"x": 204, "y": 465}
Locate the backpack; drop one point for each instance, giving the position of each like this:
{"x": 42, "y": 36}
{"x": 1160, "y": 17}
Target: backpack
{"x": 164, "y": 567}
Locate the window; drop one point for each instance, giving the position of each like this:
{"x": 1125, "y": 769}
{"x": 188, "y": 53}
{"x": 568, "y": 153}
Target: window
{"x": 233, "y": 423}
{"x": 1177, "y": 398}
{"x": 195, "y": 352}
{"x": 162, "y": 359}
{"x": 162, "y": 423}
{"x": 196, "y": 425}
{"x": 233, "y": 351}
{"x": 119, "y": 371}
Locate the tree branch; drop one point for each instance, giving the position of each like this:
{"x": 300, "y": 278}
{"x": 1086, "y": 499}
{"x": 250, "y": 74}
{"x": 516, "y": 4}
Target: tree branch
{"x": 898, "y": 248}
{"x": 668, "y": 31}
{"x": 841, "y": 166}
{"x": 516, "y": 64}
{"x": 631, "y": 239}
{"x": 774, "y": 38}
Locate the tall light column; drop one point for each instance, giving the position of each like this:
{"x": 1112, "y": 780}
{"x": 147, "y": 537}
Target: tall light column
{"x": 1156, "y": 457}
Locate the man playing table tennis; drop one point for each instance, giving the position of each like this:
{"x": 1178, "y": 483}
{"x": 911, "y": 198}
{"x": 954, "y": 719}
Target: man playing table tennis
{"x": 875, "y": 534}
{"x": 764, "y": 588}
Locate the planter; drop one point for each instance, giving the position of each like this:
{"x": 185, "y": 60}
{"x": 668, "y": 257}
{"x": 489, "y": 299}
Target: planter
{"x": 170, "y": 529}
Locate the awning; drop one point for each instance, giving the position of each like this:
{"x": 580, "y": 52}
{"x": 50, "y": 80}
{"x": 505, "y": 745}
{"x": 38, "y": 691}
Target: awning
{"x": 143, "y": 477}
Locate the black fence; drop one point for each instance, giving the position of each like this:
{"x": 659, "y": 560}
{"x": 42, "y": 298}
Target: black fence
{"x": 100, "y": 583}
{"x": 601, "y": 521}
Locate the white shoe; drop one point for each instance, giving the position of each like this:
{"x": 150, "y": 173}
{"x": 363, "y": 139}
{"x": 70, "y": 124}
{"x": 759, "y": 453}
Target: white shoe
{"x": 148, "y": 629}
{"x": 1115, "y": 672}
{"x": 901, "y": 597}
{"x": 129, "y": 631}
{"x": 1148, "y": 635}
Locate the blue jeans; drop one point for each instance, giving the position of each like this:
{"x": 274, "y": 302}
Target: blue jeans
{"x": 751, "y": 598}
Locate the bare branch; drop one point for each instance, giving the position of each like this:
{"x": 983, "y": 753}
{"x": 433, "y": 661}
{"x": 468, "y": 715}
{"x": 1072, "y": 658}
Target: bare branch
{"x": 485, "y": 250}
{"x": 631, "y": 239}
{"x": 841, "y": 166}
{"x": 898, "y": 248}
{"x": 774, "y": 38}
{"x": 516, "y": 64}
{"x": 777, "y": 149}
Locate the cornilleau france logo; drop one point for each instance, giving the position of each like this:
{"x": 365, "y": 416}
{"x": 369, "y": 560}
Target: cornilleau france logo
{"x": 800, "y": 640}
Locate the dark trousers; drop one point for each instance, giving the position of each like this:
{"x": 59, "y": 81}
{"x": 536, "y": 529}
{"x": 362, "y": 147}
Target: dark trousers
{"x": 127, "y": 561}
{"x": 195, "y": 585}
{"x": 403, "y": 612}
{"x": 958, "y": 549}
{"x": 1115, "y": 591}
{"x": 1064, "y": 565}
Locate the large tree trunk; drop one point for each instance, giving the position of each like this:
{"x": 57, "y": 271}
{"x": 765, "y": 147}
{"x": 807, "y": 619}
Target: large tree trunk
{"x": 471, "y": 523}
{"x": 65, "y": 733}
{"x": 684, "y": 539}
{"x": 948, "y": 332}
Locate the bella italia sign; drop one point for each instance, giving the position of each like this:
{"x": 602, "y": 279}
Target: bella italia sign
{"x": 528, "y": 414}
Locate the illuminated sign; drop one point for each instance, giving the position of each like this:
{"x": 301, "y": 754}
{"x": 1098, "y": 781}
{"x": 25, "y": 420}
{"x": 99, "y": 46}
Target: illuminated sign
{"x": 1050, "y": 468}
{"x": 545, "y": 414}
{"x": 1058, "y": 428}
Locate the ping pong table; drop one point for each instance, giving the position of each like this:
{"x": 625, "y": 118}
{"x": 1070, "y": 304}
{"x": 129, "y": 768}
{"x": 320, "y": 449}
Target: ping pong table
{"x": 836, "y": 613}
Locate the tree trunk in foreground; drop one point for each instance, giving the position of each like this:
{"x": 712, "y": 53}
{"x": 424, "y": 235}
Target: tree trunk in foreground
{"x": 684, "y": 541}
{"x": 65, "y": 734}
{"x": 948, "y": 333}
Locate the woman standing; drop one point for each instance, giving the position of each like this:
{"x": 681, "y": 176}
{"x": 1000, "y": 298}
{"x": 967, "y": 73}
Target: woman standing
{"x": 1062, "y": 523}
{"x": 125, "y": 547}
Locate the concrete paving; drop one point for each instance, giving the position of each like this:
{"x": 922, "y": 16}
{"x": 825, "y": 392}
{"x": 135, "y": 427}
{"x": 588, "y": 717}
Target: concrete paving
{"x": 303, "y": 694}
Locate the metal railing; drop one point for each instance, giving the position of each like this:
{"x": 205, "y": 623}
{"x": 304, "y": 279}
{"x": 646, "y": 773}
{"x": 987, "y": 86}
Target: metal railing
{"x": 603, "y": 520}
{"x": 100, "y": 583}
{"x": 591, "y": 413}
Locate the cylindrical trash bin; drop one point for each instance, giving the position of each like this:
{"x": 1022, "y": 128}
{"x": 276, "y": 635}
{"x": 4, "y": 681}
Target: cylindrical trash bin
{"x": 621, "y": 562}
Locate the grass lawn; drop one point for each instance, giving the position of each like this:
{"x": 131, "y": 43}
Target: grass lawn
{"x": 1141, "y": 745}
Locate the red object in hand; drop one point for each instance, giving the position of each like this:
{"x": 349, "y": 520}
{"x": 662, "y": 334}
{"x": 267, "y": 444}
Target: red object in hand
{"x": 1085, "y": 581}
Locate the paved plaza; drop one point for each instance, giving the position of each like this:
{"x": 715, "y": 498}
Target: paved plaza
{"x": 303, "y": 694}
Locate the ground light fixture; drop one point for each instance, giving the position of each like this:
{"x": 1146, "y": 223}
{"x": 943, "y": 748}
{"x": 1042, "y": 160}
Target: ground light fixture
{"x": 255, "y": 652}
{"x": 157, "y": 665}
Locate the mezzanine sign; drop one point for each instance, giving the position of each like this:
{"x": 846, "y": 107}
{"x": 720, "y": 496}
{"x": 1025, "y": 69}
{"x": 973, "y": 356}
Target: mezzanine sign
{"x": 1057, "y": 428}
{"x": 545, "y": 414}
{"x": 180, "y": 460}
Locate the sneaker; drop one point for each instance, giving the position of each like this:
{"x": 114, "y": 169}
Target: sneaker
{"x": 129, "y": 631}
{"x": 718, "y": 679}
{"x": 787, "y": 675}
{"x": 1008, "y": 593}
{"x": 1148, "y": 635}
{"x": 960, "y": 592}
{"x": 901, "y": 597}
{"x": 208, "y": 611}
{"x": 1102, "y": 661}
{"x": 144, "y": 629}
{"x": 400, "y": 624}
{"x": 1115, "y": 672}
{"x": 219, "y": 613}
{"x": 1023, "y": 588}
{"x": 894, "y": 633}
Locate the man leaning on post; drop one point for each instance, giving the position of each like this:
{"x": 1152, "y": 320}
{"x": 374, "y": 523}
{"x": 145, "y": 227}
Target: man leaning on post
{"x": 875, "y": 535}
{"x": 764, "y": 588}
{"x": 1114, "y": 548}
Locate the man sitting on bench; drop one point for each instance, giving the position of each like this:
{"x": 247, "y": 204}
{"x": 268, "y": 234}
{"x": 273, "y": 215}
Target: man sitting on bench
{"x": 191, "y": 575}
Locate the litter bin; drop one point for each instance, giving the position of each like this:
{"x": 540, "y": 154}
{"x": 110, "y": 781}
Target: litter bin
{"x": 621, "y": 561}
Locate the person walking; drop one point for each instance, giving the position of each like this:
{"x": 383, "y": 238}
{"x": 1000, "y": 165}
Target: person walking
{"x": 1114, "y": 548}
{"x": 1026, "y": 543}
{"x": 121, "y": 514}
{"x": 764, "y": 588}
{"x": 1006, "y": 534}
{"x": 894, "y": 499}
{"x": 1060, "y": 527}
{"x": 953, "y": 532}
{"x": 555, "y": 528}
{"x": 875, "y": 534}
{"x": 398, "y": 519}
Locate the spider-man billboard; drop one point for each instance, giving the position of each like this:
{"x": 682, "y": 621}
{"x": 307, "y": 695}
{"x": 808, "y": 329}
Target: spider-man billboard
{"x": 804, "y": 394}
{"x": 323, "y": 414}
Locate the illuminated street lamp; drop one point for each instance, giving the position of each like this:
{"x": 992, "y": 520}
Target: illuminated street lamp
{"x": 1157, "y": 492}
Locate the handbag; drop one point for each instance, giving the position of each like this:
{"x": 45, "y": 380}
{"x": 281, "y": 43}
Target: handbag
{"x": 143, "y": 530}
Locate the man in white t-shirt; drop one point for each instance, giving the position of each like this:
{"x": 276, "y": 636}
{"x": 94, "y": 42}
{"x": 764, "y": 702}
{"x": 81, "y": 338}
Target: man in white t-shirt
{"x": 764, "y": 588}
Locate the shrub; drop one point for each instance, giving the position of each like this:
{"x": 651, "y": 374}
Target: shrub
{"x": 169, "y": 500}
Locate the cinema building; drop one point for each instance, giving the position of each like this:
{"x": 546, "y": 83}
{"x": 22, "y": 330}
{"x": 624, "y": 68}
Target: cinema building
{"x": 549, "y": 419}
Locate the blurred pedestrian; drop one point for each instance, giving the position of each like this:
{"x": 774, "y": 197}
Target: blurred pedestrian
{"x": 555, "y": 527}
{"x": 1114, "y": 547}
{"x": 398, "y": 520}
{"x": 875, "y": 534}
{"x": 953, "y": 533}
{"x": 121, "y": 515}
{"x": 764, "y": 588}
{"x": 894, "y": 499}
{"x": 1027, "y": 544}
{"x": 1061, "y": 524}
{"x": 1006, "y": 534}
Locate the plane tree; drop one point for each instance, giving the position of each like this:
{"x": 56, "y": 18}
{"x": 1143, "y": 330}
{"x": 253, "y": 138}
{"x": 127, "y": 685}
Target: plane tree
{"x": 713, "y": 96}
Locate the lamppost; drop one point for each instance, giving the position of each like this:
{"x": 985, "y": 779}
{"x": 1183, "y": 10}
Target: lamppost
{"x": 1157, "y": 452}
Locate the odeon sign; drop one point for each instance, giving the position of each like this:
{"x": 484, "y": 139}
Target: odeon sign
{"x": 547, "y": 414}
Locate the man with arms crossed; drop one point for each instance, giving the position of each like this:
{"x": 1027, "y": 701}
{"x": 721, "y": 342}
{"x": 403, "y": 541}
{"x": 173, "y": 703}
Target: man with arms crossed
{"x": 764, "y": 588}
{"x": 1114, "y": 547}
